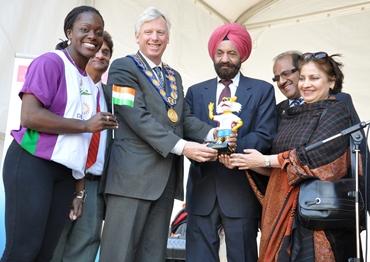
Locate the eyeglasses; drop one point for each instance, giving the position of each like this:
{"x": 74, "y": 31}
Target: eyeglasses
{"x": 284, "y": 74}
{"x": 313, "y": 56}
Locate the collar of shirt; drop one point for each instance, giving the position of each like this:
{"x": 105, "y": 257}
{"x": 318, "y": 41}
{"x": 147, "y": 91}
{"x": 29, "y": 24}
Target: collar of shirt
{"x": 102, "y": 102}
{"x": 233, "y": 86}
{"x": 150, "y": 63}
{"x": 99, "y": 85}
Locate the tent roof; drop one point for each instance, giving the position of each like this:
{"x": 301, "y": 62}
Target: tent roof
{"x": 31, "y": 28}
{"x": 264, "y": 12}
{"x": 336, "y": 26}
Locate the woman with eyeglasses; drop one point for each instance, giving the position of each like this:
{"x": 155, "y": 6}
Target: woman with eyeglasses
{"x": 283, "y": 238}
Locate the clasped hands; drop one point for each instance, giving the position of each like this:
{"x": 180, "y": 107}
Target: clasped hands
{"x": 251, "y": 159}
{"x": 202, "y": 153}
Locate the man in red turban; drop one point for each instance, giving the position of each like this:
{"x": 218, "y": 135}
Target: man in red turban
{"x": 237, "y": 34}
{"x": 218, "y": 196}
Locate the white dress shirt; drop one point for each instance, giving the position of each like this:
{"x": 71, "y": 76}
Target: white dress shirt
{"x": 233, "y": 86}
{"x": 98, "y": 167}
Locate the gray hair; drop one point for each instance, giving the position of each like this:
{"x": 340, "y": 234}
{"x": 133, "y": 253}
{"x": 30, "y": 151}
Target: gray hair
{"x": 295, "y": 55}
{"x": 151, "y": 13}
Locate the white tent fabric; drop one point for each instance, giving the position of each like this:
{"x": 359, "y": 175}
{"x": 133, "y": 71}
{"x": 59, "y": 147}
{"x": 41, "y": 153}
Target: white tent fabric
{"x": 34, "y": 27}
{"x": 340, "y": 26}
{"x": 337, "y": 26}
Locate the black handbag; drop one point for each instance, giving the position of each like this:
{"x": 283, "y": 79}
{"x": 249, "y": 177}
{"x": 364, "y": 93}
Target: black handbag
{"x": 330, "y": 205}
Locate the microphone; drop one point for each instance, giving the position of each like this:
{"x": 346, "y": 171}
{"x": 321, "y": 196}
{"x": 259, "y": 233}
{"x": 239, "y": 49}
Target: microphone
{"x": 344, "y": 132}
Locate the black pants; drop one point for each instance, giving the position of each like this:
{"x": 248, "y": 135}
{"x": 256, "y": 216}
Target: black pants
{"x": 136, "y": 230}
{"x": 38, "y": 195}
{"x": 203, "y": 242}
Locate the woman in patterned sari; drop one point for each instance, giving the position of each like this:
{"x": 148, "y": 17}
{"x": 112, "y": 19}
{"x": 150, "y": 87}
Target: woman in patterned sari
{"x": 283, "y": 238}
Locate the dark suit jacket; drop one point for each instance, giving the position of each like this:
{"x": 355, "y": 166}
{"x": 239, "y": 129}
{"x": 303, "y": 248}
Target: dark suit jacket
{"x": 108, "y": 99}
{"x": 347, "y": 99}
{"x": 140, "y": 160}
{"x": 281, "y": 107}
{"x": 211, "y": 180}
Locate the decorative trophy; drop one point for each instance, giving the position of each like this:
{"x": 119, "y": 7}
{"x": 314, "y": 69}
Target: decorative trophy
{"x": 228, "y": 122}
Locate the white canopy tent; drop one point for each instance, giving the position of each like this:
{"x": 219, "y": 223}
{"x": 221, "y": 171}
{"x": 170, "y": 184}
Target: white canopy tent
{"x": 30, "y": 28}
{"x": 336, "y": 26}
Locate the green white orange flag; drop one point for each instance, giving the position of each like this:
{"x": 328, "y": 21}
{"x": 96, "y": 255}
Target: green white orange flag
{"x": 122, "y": 95}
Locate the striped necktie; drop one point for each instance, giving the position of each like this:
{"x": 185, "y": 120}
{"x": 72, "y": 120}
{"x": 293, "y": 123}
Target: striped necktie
{"x": 158, "y": 71}
{"x": 296, "y": 102}
{"x": 94, "y": 143}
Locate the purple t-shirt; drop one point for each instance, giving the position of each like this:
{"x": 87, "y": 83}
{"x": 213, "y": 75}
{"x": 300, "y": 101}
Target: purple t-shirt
{"x": 45, "y": 79}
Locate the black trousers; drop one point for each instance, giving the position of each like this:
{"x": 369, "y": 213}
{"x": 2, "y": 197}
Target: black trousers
{"x": 136, "y": 230}
{"x": 38, "y": 195}
{"x": 203, "y": 242}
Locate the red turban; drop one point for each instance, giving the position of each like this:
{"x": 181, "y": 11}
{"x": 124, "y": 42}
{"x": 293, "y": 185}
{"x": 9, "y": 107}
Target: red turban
{"x": 237, "y": 34}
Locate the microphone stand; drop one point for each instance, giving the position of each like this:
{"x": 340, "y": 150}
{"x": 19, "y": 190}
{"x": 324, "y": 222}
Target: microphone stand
{"x": 357, "y": 138}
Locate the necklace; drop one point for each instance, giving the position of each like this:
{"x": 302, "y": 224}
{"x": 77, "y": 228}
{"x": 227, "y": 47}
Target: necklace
{"x": 77, "y": 68}
{"x": 169, "y": 74}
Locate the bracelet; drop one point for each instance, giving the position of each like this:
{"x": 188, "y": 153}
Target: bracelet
{"x": 267, "y": 161}
{"x": 81, "y": 195}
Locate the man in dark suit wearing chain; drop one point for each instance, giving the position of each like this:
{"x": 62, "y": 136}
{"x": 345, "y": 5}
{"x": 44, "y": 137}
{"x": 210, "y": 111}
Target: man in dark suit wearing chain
{"x": 145, "y": 171}
{"x": 221, "y": 196}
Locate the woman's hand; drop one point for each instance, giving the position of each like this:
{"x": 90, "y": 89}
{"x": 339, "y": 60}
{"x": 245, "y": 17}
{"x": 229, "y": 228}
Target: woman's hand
{"x": 77, "y": 207}
{"x": 35, "y": 116}
{"x": 101, "y": 121}
{"x": 225, "y": 160}
{"x": 249, "y": 160}
{"x": 78, "y": 200}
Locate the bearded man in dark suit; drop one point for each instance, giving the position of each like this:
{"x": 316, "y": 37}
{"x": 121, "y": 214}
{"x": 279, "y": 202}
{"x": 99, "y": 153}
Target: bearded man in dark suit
{"x": 221, "y": 196}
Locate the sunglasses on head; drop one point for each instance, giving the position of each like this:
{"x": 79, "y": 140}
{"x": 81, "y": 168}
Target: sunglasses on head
{"x": 284, "y": 74}
{"x": 317, "y": 56}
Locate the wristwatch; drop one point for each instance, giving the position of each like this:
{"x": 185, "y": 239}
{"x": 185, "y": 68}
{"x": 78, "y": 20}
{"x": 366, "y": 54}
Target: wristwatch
{"x": 267, "y": 161}
{"x": 81, "y": 195}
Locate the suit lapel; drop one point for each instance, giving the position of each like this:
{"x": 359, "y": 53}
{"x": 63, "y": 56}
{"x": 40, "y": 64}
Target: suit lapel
{"x": 149, "y": 84}
{"x": 145, "y": 62}
{"x": 208, "y": 95}
{"x": 243, "y": 91}
{"x": 108, "y": 96}
{"x": 285, "y": 105}
{"x": 209, "y": 92}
